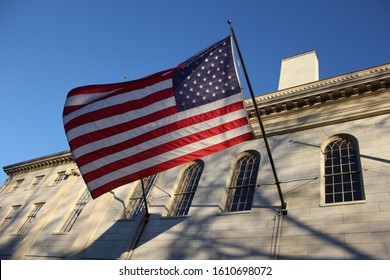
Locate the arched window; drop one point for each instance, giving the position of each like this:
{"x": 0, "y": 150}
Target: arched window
{"x": 243, "y": 184}
{"x": 186, "y": 190}
{"x": 342, "y": 172}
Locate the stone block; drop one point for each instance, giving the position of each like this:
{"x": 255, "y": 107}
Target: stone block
{"x": 367, "y": 238}
{"x": 384, "y": 206}
{"x": 345, "y": 228}
{"x": 323, "y": 238}
{"x": 380, "y": 226}
{"x": 326, "y": 252}
{"x": 367, "y": 217}
{"x": 293, "y": 252}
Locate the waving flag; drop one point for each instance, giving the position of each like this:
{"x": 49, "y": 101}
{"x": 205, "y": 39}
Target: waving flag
{"x": 119, "y": 133}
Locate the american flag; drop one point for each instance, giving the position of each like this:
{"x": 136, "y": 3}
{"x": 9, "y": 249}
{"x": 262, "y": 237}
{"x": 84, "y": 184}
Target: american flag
{"x": 119, "y": 133}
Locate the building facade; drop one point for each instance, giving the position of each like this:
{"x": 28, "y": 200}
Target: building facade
{"x": 330, "y": 146}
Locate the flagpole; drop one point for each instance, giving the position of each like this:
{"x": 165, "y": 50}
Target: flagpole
{"x": 283, "y": 207}
{"x": 127, "y": 255}
{"x": 145, "y": 201}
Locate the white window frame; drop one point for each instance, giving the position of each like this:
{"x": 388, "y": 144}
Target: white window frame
{"x": 337, "y": 177}
{"x": 247, "y": 185}
{"x": 186, "y": 189}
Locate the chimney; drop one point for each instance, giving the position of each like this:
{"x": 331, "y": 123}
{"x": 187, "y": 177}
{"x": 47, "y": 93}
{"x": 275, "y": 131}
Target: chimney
{"x": 298, "y": 70}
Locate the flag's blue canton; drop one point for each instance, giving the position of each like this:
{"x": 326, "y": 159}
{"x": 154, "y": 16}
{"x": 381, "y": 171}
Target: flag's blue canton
{"x": 209, "y": 77}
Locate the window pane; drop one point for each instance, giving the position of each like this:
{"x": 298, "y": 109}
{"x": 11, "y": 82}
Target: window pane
{"x": 346, "y": 168}
{"x": 345, "y": 160}
{"x": 347, "y": 187}
{"x": 338, "y": 197}
{"x": 344, "y": 152}
{"x": 356, "y": 186}
{"x": 346, "y": 178}
{"x": 348, "y": 196}
{"x": 357, "y": 195}
{"x": 337, "y": 179}
{"x": 329, "y": 198}
{"x": 329, "y": 189}
{"x": 338, "y": 188}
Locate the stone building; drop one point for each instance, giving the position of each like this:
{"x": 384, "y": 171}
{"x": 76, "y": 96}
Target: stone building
{"x": 330, "y": 144}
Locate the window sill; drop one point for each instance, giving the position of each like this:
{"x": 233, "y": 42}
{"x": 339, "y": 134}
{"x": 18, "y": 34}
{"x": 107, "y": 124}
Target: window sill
{"x": 342, "y": 203}
{"x": 122, "y": 220}
{"x": 234, "y": 213}
{"x": 175, "y": 217}
{"x": 61, "y": 233}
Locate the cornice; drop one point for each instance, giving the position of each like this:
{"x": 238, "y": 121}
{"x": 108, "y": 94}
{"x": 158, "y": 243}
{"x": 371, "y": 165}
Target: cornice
{"x": 348, "y": 97}
{"x": 39, "y": 163}
{"x": 319, "y": 92}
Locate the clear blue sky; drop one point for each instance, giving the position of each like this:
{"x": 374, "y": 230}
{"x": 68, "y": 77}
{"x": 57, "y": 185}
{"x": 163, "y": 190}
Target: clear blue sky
{"x": 49, "y": 47}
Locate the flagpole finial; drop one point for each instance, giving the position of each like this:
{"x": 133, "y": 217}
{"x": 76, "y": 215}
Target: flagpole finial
{"x": 231, "y": 27}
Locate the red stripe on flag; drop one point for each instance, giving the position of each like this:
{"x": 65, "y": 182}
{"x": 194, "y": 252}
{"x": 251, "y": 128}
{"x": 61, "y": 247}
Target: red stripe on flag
{"x": 170, "y": 164}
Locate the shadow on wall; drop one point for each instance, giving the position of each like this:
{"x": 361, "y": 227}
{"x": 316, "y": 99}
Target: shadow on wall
{"x": 250, "y": 235}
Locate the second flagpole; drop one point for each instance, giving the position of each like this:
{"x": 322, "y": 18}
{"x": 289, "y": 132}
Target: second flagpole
{"x": 145, "y": 200}
{"x": 283, "y": 207}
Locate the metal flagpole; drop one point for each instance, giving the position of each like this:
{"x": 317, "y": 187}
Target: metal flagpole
{"x": 145, "y": 201}
{"x": 127, "y": 255}
{"x": 283, "y": 210}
